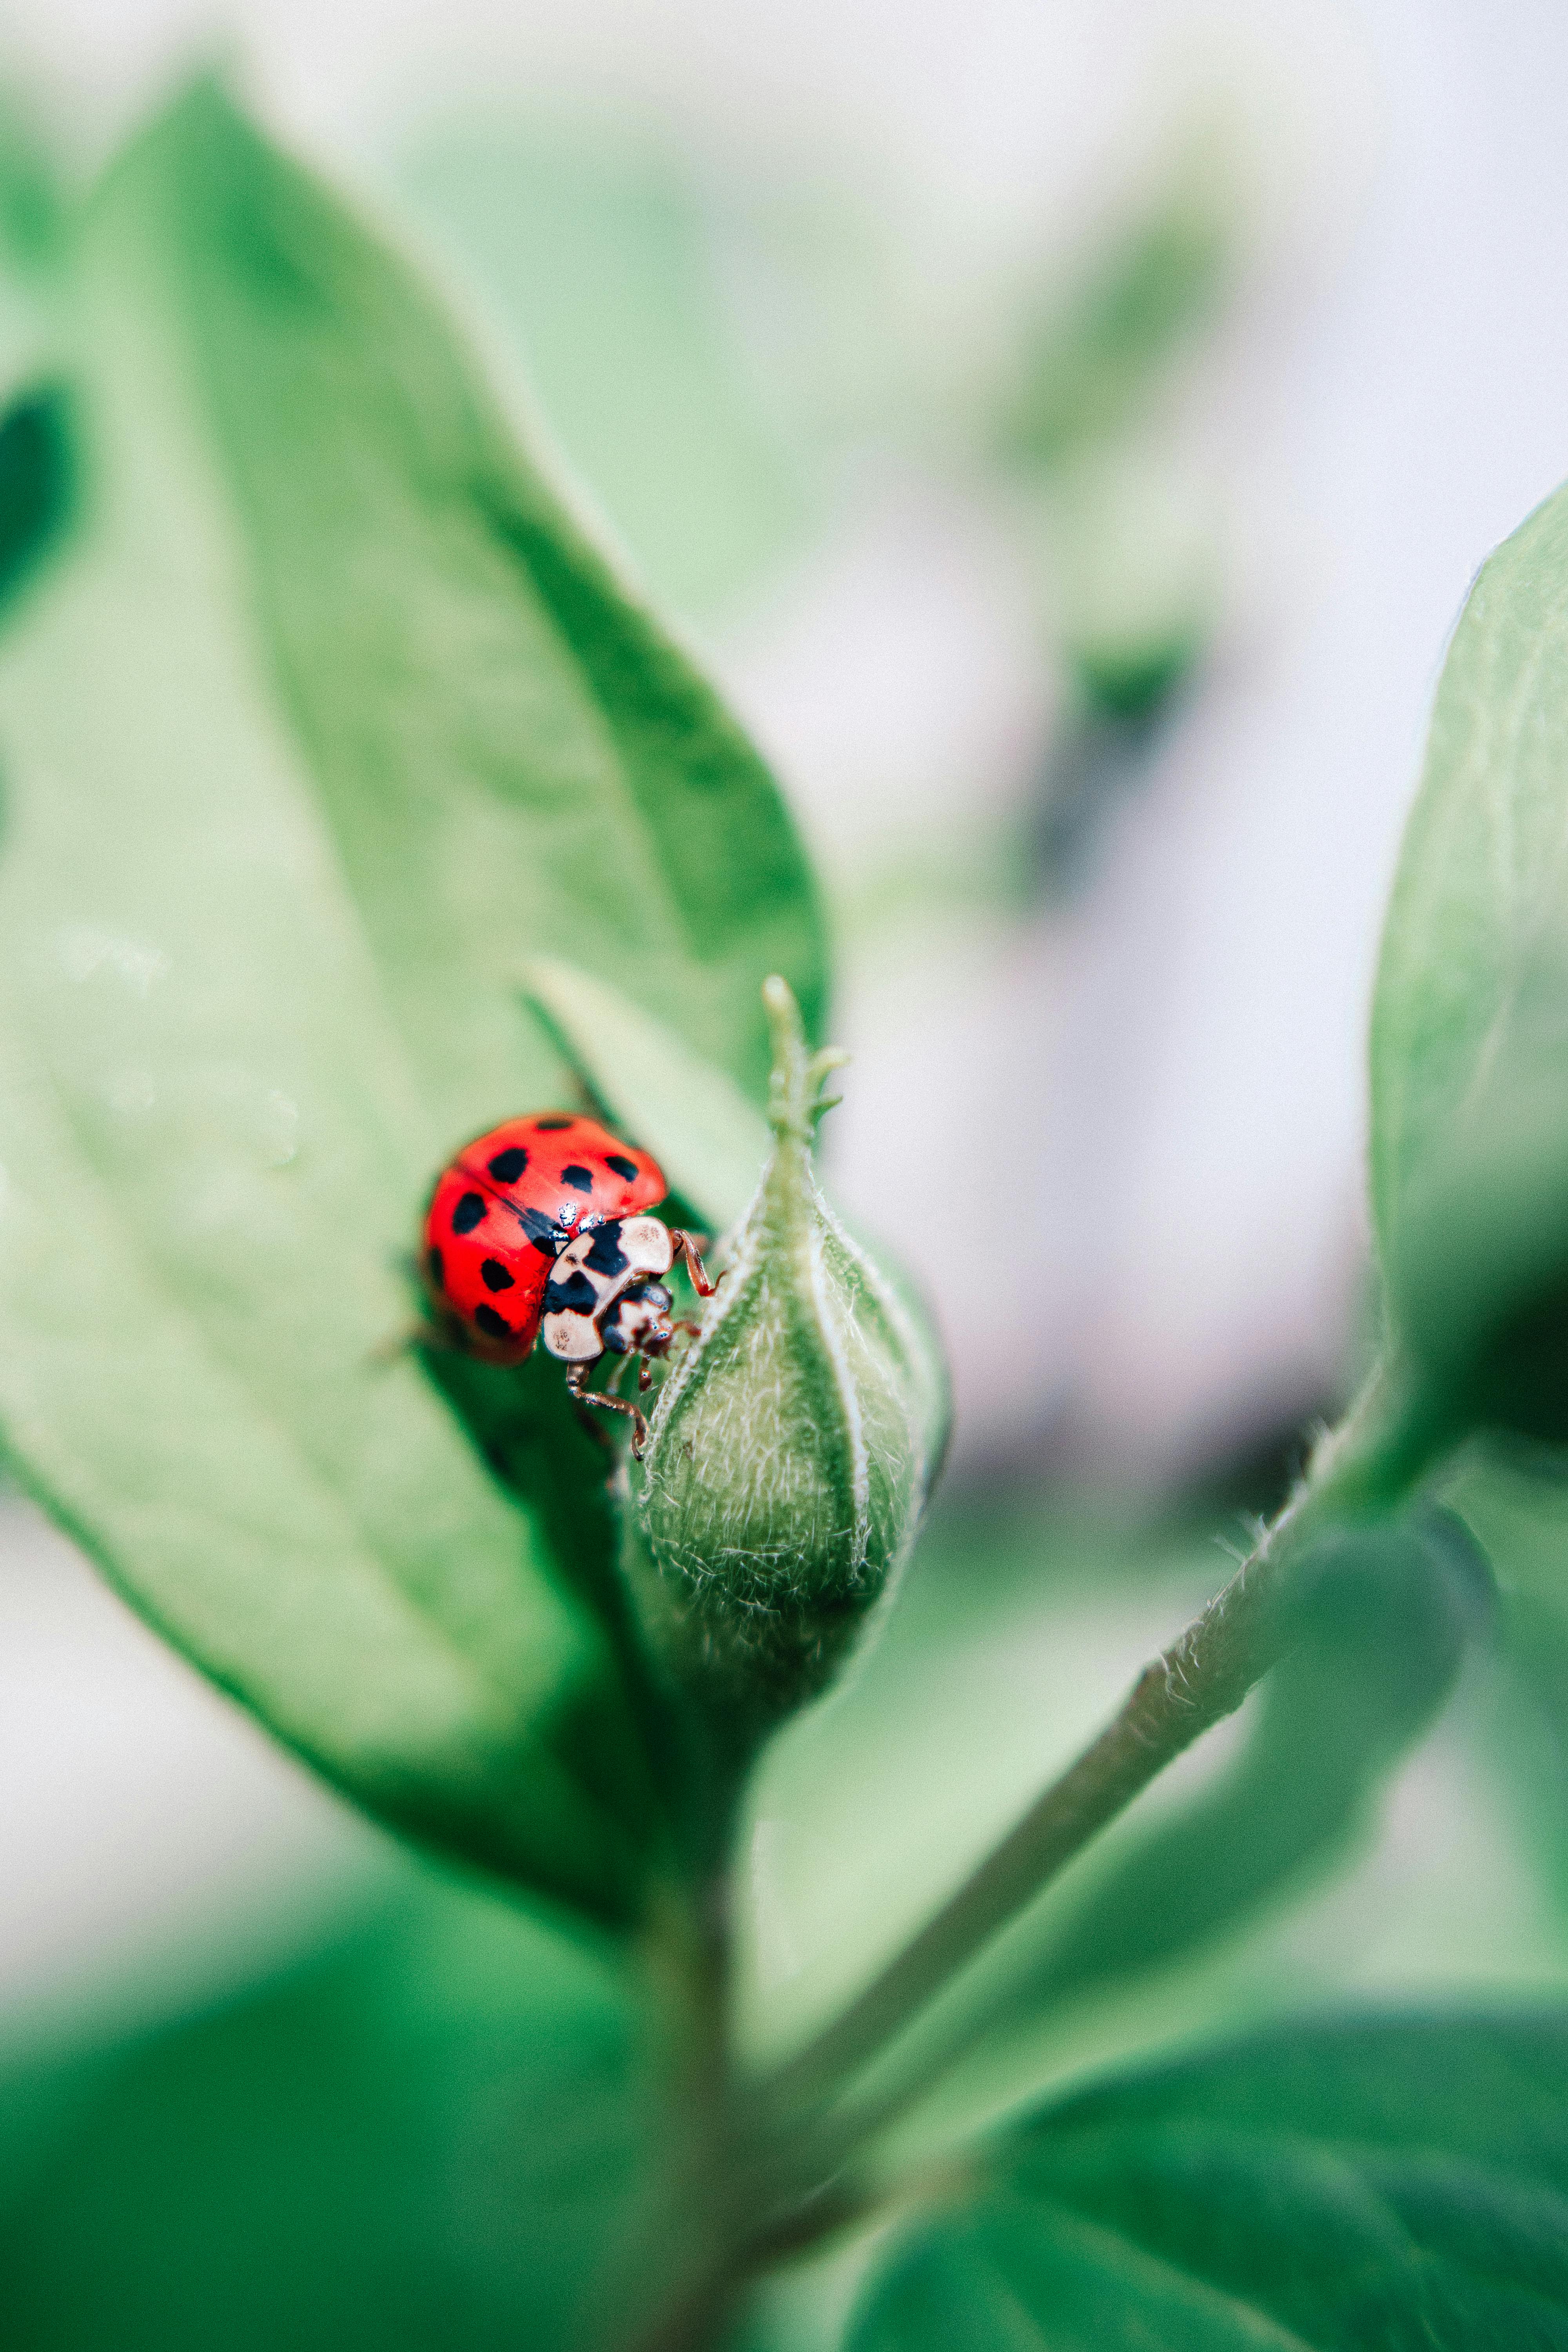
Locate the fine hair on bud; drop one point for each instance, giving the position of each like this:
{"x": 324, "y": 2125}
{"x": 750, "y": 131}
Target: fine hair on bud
{"x": 792, "y": 1447}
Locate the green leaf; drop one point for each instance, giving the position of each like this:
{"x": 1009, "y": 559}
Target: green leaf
{"x": 1470, "y": 1047}
{"x": 513, "y": 757}
{"x": 1384, "y": 1619}
{"x": 224, "y": 1085}
{"x": 426, "y": 2134}
{"x": 1401, "y": 2183}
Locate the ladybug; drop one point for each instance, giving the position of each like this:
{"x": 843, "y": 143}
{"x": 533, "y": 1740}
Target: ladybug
{"x": 538, "y": 1228}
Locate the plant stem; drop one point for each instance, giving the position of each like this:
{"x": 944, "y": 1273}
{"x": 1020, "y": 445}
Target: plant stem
{"x": 773, "y": 2182}
{"x": 1371, "y": 1463}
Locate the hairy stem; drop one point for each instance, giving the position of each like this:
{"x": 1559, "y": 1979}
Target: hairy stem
{"x": 1369, "y": 1462}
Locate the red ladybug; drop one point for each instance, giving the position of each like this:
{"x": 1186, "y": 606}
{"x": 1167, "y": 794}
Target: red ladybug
{"x": 539, "y": 1225}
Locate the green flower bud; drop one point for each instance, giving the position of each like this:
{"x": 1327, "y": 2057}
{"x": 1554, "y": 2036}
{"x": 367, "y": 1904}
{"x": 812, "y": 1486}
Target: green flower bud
{"x": 792, "y": 1445}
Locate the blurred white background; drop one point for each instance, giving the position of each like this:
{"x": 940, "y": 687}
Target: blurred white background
{"x": 1162, "y": 1074}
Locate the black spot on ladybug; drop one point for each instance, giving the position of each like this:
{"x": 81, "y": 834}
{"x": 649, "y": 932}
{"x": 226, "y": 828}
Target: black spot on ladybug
{"x": 606, "y": 1256}
{"x": 621, "y": 1164}
{"x": 495, "y": 1326}
{"x": 580, "y": 1178}
{"x": 508, "y": 1165}
{"x": 575, "y": 1296}
{"x": 552, "y": 1126}
{"x": 543, "y": 1231}
{"x": 437, "y": 1271}
{"x": 494, "y": 1275}
{"x": 469, "y": 1213}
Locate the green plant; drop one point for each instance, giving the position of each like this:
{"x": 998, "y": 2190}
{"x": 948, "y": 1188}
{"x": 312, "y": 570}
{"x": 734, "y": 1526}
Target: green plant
{"x": 355, "y": 803}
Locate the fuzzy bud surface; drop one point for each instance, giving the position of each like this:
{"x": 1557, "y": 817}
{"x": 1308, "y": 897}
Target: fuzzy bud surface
{"x": 792, "y": 1447}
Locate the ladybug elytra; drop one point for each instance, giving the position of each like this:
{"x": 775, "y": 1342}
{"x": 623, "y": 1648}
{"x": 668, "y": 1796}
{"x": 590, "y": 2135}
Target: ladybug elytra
{"x": 539, "y": 1229}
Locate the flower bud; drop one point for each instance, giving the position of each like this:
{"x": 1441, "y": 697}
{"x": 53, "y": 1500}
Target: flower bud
{"x": 792, "y": 1445}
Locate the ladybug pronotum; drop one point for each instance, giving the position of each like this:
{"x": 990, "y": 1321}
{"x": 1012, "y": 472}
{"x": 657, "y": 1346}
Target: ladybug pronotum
{"x": 538, "y": 1229}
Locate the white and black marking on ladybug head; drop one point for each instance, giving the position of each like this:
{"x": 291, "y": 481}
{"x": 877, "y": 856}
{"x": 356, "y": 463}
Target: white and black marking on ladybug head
{"x": 638, "y": 1323}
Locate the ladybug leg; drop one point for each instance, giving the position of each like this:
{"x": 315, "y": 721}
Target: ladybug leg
{"x": 644, "y": 1376}
{"x": 684, "y": 1323}
{"x": 575, "y": 1376}
{"x": 686, "y": 1249}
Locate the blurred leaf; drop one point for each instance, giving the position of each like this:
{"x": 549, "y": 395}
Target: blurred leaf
{"x": 1530, "y": 1727}
{"x": 1469, "y": 1048}
{"x": 1522, "y": 1521}
{"x": 1401, "y": 2183}
{"x": 1099, "y": 349}
{"x": 431, "y": 2134}
{"x": 35, "y": 484}
{"x": 33, "y": 201}
{"x": 214, "y": 1131}
{"x": 1384, "y": 1618}
{"x": 513, "y": 757}
{"x": 709, "y": 1140}
{"x": 1132, "y": 556}
{"x": 596, "y": 254}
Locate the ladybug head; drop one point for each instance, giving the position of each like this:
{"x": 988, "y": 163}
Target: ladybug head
{"x": 641, "y": 1324}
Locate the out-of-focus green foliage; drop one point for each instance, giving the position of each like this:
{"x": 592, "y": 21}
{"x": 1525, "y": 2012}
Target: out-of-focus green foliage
{"x": 1103, "y": 345}
{"x": 36, "y": 483}
{"x": 36, "y": 455}
{"x": 326, "y": 720}
{"x": 432, "y": 2131}
{"x": 1469, "y": 1048}
{"x": 34, "y": 204}
{"x": 1520, "y": 1516}
{"x": 1133, "y": 579}
{"x": 1119, "y": 531}
{"x": 1398, "y": 2183}
{"x": 596, "y": 253}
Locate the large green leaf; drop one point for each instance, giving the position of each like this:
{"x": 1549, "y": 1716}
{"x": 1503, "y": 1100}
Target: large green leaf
{"x": 1469, "y": 1049}
{"x": 1397, "y": 2183}
{"x": 512, "y": 756}
{"x": 213, "y": 1144}
{"x": 257, "y": 980}
{"x": 427, "y": 2134}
